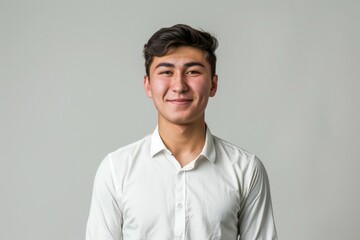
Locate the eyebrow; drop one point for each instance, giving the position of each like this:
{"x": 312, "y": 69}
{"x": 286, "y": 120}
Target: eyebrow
{"x": 164, "y": 64}
{"x": 189, "y": 64}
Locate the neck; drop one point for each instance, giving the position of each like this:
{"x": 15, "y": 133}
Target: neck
{"x": 185, "y": 141}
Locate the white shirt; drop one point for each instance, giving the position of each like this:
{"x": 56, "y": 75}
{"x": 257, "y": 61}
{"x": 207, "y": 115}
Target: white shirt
{"x": 141, "y": 192}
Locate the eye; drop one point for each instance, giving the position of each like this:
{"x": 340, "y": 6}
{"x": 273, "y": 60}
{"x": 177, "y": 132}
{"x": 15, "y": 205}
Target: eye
{"x": 166, "y": 73}
{"x": 193, "y": 73}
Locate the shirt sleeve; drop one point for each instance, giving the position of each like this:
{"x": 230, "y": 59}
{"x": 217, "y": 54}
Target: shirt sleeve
{"x": 256, "y": 219}
{"x": 105, "y": 217}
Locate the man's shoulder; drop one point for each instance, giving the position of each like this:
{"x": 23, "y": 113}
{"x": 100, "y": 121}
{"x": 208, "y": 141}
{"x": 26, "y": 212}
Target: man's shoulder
{"x": 233, "y": 151}
{"x": 228, "y": 153}
{"x": 230, "y": 146}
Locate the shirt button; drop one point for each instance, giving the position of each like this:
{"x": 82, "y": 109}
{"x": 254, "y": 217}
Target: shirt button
{"x": 179, "y": 205}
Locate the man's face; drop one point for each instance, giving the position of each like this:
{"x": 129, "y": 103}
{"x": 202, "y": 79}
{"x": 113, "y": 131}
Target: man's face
{"x": 180, "y": 84}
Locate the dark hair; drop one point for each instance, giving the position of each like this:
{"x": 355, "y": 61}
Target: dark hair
{"x": 180, "y": 35}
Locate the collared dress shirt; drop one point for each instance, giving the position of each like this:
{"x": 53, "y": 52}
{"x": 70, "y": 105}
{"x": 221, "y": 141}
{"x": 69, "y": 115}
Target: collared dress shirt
{"x": 142, "y": 193}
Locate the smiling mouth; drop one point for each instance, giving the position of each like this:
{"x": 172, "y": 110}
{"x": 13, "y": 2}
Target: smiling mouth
{"x": 180, "y": 101}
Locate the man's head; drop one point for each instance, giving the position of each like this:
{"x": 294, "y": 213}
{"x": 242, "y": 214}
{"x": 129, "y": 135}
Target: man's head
{"x": 177, "y": 36}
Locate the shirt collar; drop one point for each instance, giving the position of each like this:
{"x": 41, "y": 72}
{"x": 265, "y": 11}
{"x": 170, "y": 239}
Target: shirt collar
{"x": 208, "y": 151}
{"x": 157, "y": 145}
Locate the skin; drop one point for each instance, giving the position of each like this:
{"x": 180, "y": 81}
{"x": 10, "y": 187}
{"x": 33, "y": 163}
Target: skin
{"x": 180, "y": 84}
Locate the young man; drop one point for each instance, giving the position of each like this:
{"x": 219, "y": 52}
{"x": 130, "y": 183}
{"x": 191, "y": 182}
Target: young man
{"x": 181, "y": 182}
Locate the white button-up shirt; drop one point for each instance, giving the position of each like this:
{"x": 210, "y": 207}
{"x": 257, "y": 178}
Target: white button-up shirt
{"x": 142, "y": 192}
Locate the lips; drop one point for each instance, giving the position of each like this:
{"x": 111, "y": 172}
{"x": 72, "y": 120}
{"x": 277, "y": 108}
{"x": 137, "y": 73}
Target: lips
{"x": 180, "y": 101}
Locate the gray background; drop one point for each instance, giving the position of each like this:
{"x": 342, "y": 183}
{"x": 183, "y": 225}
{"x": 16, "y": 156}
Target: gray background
{"x": 71, "y": 91}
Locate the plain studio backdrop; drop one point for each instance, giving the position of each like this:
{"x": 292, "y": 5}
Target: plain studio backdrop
{"x": 71, "y": 91}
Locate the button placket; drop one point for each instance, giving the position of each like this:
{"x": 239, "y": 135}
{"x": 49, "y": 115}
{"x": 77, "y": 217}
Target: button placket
{"x": 180, "y": 214}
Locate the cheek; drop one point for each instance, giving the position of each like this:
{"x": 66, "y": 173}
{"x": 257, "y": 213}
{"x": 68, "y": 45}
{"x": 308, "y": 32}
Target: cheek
{"x": 159, "y": 88}
{"x": 203, "y": 90}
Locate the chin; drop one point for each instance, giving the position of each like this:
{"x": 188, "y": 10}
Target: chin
{"x": 183, "y": 120}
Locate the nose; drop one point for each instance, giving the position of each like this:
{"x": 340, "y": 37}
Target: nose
{"x": 179, "y": 83}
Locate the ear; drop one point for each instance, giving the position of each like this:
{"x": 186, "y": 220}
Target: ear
{"x": 214, "y": 85}
{"x": 147, "y": 86}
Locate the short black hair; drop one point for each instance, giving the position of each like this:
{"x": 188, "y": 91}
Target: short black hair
{"x": 180, "y": 35}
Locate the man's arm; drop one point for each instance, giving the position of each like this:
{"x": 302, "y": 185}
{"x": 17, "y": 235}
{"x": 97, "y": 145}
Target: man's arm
{"x": 105, "y": 218}
{"x": 256, "y": 219}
